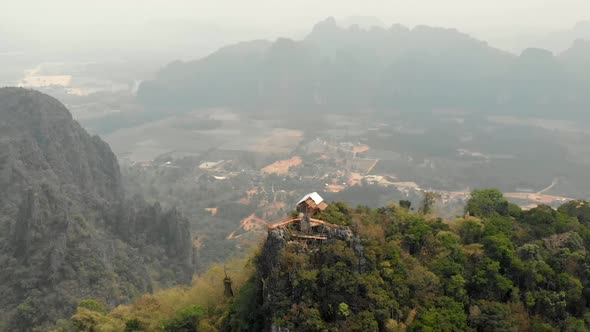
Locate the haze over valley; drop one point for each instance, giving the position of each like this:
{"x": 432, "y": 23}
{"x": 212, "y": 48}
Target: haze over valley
{"x": 201, "y": 166}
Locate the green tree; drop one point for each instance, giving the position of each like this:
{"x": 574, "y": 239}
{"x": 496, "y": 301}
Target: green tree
{"x": 550, "y": 304}
{"x": 578, "y": 209}
{"x": 336, "y": 213}
{"x": 93, "y": 305}
{"x": 405, "y": 204}
{"x": 488, "y": 281}
{"x": 311, "y": 321}
{"x": 448, "y": 315}
{"x": 415, "y": 236}
{"x": 187, "y": 320}
{"x": 428, "y": 202}
{"x": 488, "y": 316}
{"x": 455, "y": 288}
{"x": 499, "y": 247}
{"x": 487, "y": 203}
{"x": 470, "y": 231}
{"x": 363, "y": 322}
{"x": 133, "y": 325}
{"x": 343, "y": 309}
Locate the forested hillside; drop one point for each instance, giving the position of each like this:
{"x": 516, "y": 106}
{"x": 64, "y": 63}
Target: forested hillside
{"x": 67, "y": 230}
{"x": 499, "y": 268}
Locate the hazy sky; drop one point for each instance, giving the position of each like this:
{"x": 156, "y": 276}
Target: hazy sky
{"x": 102, "y": 20}
{"x": 293, "y": 13}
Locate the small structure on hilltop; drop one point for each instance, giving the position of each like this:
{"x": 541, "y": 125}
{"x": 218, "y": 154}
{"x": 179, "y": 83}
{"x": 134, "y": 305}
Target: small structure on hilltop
{"x": 304, "y": 227}
{"x": 311, "y": 204}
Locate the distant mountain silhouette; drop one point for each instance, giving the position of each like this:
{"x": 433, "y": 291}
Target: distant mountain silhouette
{"x": 361, "y": 21}
{"x": 577, "y": 57}
{"x": 341, "y": 69}
{"x": 560, "y": 41}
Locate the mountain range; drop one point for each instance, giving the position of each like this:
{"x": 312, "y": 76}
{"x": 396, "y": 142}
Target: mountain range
{"x": 559, "y": 41}
{"x": 350, "y": 69}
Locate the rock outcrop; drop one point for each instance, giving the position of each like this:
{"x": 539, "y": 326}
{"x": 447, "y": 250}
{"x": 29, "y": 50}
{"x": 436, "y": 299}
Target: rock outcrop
{"x": 67, "y": 231}
{"x": 279, "y": 279}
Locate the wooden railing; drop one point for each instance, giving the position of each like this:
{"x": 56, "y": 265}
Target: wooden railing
{"x": 283, "y": 222}
{"x": 289, "y": 221}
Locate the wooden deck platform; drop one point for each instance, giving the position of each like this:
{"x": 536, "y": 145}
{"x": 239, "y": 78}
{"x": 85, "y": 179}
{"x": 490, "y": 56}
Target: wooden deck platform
{"x": 289, "y": 221}
{"x": 283, "y": 222}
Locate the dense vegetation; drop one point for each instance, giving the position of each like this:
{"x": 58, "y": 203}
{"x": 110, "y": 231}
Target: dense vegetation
{"x": 396, "y": 68}
{"x": 499, "y": 268}
{"x": 200, "y": 307}
{"x": 67, "y": 231}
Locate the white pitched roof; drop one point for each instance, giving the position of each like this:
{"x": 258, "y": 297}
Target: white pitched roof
{"x": 314, "y": 196}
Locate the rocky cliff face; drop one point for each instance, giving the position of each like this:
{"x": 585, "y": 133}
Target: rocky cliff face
{"x": 66, "y": 230}
{"x": 287, "y": 266}
{"x": 40, "y": 142}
